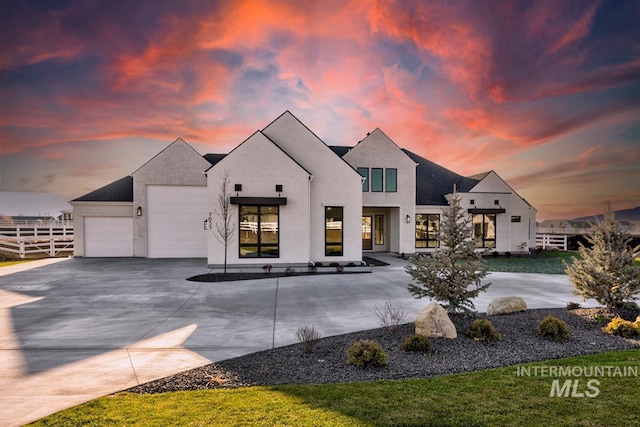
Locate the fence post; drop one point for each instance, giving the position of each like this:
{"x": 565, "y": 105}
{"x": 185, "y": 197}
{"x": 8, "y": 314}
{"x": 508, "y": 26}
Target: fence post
{"x": 52, "y": 248}
{"x": 21, "y": 248}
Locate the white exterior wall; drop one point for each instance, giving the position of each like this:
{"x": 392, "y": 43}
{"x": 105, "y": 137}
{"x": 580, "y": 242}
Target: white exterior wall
{"x": 178, "y": 164}
{"x": 94, "y": 209}
{"x": 377, "y": 150}
{"x": 510, "y": 236}
{"x": 334, "y": 183}
{"x": 259, "y": 166}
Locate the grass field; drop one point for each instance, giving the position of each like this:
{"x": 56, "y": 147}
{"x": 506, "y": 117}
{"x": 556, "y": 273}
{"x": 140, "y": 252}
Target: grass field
{"x": 550, "y": 262}
{"x": 495, "y": 397}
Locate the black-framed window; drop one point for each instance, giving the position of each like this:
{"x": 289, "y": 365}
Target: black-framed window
{"x": 259, "y": 231}
{"x": 391, "y": 180}
{"x": 379, "y": 229}
{"x": 365, "y": 182}
{"x": 427, "y": 230}
{"x": 484, "y": 229}
{"x": 516, "y": 218}
{"x": 377, "y": 180}
{"x": 333, "y": 220}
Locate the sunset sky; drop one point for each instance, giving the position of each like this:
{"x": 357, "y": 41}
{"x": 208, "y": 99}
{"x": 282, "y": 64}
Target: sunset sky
{"x": 546, "y": 93}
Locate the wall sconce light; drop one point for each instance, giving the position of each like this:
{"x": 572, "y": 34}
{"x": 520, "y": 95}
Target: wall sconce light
{"x": 408, "y": 219}
{"x": 237, "y": 188}
{"x": 139, "y": 211}
{"x": 208, "y": 223}
{"x": 278, "y": 189}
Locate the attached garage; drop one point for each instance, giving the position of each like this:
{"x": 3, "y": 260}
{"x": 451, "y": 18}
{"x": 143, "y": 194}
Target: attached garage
{"x": 175, "y": 217}
{"x": 108, "y": 236}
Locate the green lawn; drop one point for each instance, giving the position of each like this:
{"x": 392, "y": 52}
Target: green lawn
{"x": 549, "y": 262}
{"x": 496, "y": 397}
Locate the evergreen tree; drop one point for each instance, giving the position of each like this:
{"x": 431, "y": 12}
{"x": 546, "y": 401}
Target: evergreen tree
{"x": 452, "y": 274}
{"x": 606, "y": 271}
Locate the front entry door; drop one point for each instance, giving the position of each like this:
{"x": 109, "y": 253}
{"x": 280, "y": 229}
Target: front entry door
{"x": 367, "y": 240}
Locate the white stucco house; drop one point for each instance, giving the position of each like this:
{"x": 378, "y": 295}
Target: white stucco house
{"x": 294, "y": 200}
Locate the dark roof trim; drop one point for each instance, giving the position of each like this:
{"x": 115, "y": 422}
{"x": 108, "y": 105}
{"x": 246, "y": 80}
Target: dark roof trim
{"x": 262, "y": 201}
{"x": 486, "y": 211}
{"x": 118, "y": 191}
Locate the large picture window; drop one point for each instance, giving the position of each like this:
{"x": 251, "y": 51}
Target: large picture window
{"x": 391, "y": 180}
{"x": 376, "y": 180}
{"x": 259, "y": 232}
{"x": 427, "y": 229}
{"x": 484, "y": 229}
{"x": 333, "y": 230}
{"x": 365, "y": 182}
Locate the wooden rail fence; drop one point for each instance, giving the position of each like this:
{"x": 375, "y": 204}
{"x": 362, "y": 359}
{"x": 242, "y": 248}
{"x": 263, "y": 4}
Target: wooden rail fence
{"x": 27, "y": 239}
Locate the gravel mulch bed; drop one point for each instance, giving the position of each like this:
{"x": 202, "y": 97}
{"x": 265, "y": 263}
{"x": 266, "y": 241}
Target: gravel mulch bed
{"x": 520, "y": 344}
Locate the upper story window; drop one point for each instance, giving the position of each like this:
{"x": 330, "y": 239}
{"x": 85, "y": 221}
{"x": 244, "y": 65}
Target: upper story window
{"x": 365, "y": 182}
{"x": 391, "y": 180}
{"x": 376, "y": 180}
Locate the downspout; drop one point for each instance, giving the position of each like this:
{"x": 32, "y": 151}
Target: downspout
{"x": 311, "y": 263}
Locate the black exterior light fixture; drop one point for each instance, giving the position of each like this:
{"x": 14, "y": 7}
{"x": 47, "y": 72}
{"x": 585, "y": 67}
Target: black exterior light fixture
{"x": 278, "y": 189}
{"x": 408, "y": 219}
{"x": 237, "y": 188}
{"x": 139, "y": 211}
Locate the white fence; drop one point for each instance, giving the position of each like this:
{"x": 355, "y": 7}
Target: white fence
{"x": 25, "y": 239}
{"x": 552, "y": 240}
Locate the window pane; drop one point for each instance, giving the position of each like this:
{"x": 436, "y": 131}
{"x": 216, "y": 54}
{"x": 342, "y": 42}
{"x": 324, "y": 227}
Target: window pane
{"x": 376, "y": 179}
{"x": 249, "y": 224}
{"x": 379, "y": 230}
{"x": 248, "y": 251}
{"x": 365, "y": 174}
{"x": 392, "y": 180}
{"x": 333, "y": 230}
{"x": 490, "y": 226}
{"x": 269, "y": 224}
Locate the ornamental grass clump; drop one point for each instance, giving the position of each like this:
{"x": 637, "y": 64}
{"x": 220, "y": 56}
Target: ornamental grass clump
{"x": 366, "y": 353}
{"x": 553, "y": 328}
{"x": 309, "y": 337}
{"x": 483, "y": 330}
{"x": 417, "y": 343}
{"x": 623, "y": 328}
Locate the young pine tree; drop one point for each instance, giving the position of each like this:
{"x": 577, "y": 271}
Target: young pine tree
{"x": 606, "y": 271}
{"x": 451, "y": 275}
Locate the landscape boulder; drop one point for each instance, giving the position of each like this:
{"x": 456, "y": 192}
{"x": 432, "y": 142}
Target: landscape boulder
{"x": 433, "y": 322}
{"x": 506, "y": 305}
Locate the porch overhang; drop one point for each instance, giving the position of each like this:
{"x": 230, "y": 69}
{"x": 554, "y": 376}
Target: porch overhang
{"x": 486, "y": 211}
{"x": 255, "y": 201}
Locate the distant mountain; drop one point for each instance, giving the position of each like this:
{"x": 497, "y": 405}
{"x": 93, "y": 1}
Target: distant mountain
{"x": 632, "y": 214}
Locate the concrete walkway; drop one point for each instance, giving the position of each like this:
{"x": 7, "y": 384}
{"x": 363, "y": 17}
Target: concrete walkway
{"x": 76, "y": 329}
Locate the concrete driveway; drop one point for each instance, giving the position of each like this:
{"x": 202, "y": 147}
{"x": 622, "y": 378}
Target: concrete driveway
{"x": 75, "y": 329}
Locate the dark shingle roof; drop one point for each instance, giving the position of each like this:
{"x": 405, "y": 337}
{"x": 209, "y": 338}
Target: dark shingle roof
{"x": 434, "y": 181}
{"x": 214, "y": 158}
{"x": 118, "y": 191}
{"x": 340, "y": 150}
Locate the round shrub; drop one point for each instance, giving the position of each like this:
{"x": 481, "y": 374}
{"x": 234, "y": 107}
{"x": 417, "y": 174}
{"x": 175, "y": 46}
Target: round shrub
{"x": 417, "y": 343}
{"x": 573, "y": 306}
{"x": 366, "y": 353}
{"x": 483, "y": 330}
{"x": 623, "y": 328}
{"x": 553, "y": 328}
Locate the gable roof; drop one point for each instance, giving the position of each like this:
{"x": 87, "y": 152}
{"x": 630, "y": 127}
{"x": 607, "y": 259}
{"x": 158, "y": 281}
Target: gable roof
{"x": 214, "y": 158}
{"x": 118, "y": 191}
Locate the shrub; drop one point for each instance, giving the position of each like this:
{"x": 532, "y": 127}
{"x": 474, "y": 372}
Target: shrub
{"x": 312, "y": 269}
{"x": 483, "y": 330}
{"x": 351, "y": 264}
{"x": 289, "y": 271}
{"x": 334, "y": 264}
{"x": 339, "y": 269}
{"x": 417, "y": 343}
{"x": 573, "y": 306}
{"x": 309, "y": 337}
{"x": 318, "y": 264}
{"x": 553, "y": 328}
{"x": 623, "y": 328}
{"x": 390, "y": 317}
{"x": 267, "y": 268}
{"x": 366, "y": 353}
{"x": 606, "y": 271}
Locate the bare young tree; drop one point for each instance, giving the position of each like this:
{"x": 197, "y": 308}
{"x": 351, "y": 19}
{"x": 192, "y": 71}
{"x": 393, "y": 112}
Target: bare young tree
{"x": 225, "y": 228}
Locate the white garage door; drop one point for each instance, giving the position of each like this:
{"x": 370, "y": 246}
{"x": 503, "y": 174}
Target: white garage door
{"x": 175, "y": 221}
{"x": 108, "y": 236}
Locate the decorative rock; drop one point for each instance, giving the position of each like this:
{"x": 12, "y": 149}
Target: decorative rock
{"x": 505, "y": 305}
{"x": 433, "y": 321}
